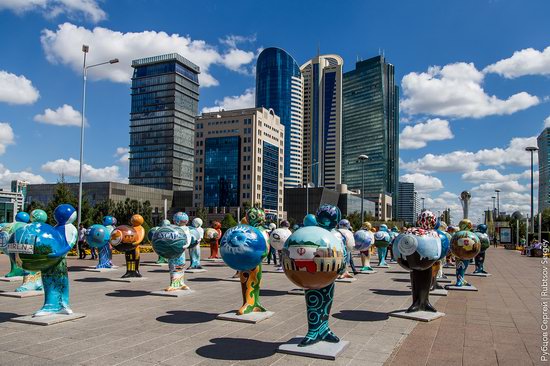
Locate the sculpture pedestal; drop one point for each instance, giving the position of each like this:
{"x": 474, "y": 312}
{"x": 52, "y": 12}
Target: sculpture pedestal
{"x": 11, "y": 279}
{"x": 322, "y": 349}
{"x": 215, "y": 260}
{"x": 444, "y": 280}
{"x": 252, "y": 318}
{"x": 195, "y": 270}
{"x": 177, "y": 293}
{"x": 47, "y": 319}
{"x": 368, "y": 272}
{"x": 478, "y": 274}
{"x": 129, "y": 279}
{"x": 439, "y": 292}
{"x": 423, "y": 316}
{"x": 346, "y": 280}
{"x": 22, "y": 295}
{"x": 382, "y": 266}
{"x": 461, "y": 288}
{"x": 296, "y": 291}
{"x": 93, "y": 269}
{"x": 152, "y": 264}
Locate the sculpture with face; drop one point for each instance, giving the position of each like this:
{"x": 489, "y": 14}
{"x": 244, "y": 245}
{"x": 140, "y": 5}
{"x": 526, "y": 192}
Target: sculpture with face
{"x": 465, "y": 245}
{"x": 98, "y": 236}
{"x": 126, "y": 238}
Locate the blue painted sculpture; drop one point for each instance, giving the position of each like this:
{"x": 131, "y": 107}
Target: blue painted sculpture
{"x": 465, "y": 245}
{"x": 382, "y": 240}
{"x": 195, "y": 248}
{"x": 481, "y": 233}
{"x": 41, "y": 247}
{"x": 346, "y": 233}
{"x": 364, "y": 238}
{"x": 313, "y": 257}
{"x": 6, "y": 229}
{"x": 98, "y": 236}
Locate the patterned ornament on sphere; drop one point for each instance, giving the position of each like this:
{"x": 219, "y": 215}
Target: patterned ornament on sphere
{"x": 242, "y": 247}
{"x": 278, "y": 237}
{"x": 170, "y": 241}
{"x": 465, "y": 244}
{"x": 363, "y": 239}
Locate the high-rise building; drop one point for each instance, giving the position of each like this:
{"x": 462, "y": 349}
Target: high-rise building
{"x": 323, "y": 120}
{"x": 543, "y": 142}
{"x": 371, "y": 127}
{"x": 239, "y": 157}
{"x": 279, "y": 86}
{"x": 407, "y": 207}
{"x": 165, "y": 98}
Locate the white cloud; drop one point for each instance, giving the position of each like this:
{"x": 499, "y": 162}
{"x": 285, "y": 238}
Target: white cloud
{"x": 466, "y": 161}
{"x": 16, "y": 89}
{"x": 455, "y": 90}
{"x": 233, "y": 40}
{"x": 417, "y": 136}
{"x": 547, "y": 122}
{"x": 71, "y": 168}
{"x": 6, "y": 176}
{"x": 62, "y": 116}
{"x": 525, "y": 62}
{"x": 123, "y": 155}
{"x": 494, "y": 176}
{"x": 7, "y": 136}
{"x": 245, "y": 100}
{"x": 52, "y": 8}
{"x": 422, "y": 182}
{"x": 64, "y": 46}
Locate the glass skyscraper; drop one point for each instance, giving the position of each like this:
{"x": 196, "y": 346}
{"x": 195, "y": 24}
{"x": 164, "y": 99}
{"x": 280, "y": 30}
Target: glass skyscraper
{"x": 407, "y": 207}
{"x": 323, "y": 120}
{"x": 371, "y": 127}
{"x": 543, "y": 142}
{"x": 279, "y": 86}
{"x": 165, "y": 98}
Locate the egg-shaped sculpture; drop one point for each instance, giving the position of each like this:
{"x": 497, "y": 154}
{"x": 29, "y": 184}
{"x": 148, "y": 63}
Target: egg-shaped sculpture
{"x": 278, "y": 237}
{"x": 97, "y": 236}
{"x": 465, "y": 244}
{"x": 382, "y": 239}
{"x": 124, "y": 238}
{"x": 417, "y": 249}
{"x": 242, "y": 247}
{"x": 170, "y": 241}
{"x": 363, "y": 239}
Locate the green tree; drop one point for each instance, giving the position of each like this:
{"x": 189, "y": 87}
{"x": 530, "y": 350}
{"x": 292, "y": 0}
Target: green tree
{"x": 202, "y": 213}
{"x": 355, "y": 220}
{"x": 34, "y": 205}
{"x": 102, "y": 209}
{"x": 228, "y": 221}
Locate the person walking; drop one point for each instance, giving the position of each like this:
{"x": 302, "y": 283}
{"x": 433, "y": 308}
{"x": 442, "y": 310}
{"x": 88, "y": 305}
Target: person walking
{"x": 81, "y": 242}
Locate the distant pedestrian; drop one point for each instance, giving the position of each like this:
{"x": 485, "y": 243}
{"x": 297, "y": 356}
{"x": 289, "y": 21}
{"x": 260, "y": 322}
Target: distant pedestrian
{"x": 495, "y": 241}
{"x": 81, "y": 242}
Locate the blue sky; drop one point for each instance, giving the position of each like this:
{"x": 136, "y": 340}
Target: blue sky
{"x": 474, "y": 77}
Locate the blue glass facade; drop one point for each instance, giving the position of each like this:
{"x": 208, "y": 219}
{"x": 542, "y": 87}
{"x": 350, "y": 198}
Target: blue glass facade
{"x": 221, "y": 171}
{"x": 275, "y": 70}
{"x": 165, "y": 97}
{"x": 270, "y": 176}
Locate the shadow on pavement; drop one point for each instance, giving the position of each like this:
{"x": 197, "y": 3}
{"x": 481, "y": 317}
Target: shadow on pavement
{"x": 186, "y": 317}
{"x": 128, "y": 293}
{"x": 204, "y": 279}
{"x": 272, "y": 293}
{"x": 159, "y": 271}
{"x": 4, "y": 317}
{"x": 391, "y": 292}
{"x": 360, "y": 315}
{"x": 404, "y": 280}
{"x": 234, "y": 349}
{"x": 79, "y": 268}
{"x": 398, "y": 272}
{"x": 92, "y": 279}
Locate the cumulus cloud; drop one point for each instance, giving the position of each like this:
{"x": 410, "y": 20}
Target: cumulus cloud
{"x": 63, "y": 46}
{"x": 245, "y": 100}
{"x": 7, "y": 136}
{"x": 6, "y": 176}
{"x": 494, "y": 176}
{"x": 422, "y": 182}
{"x": 466, "y": 161}
{"x": 65, "y": 115}
{"x": 547, "y": 122}
{"x": 123, "y": 155}
{"x": 16, "y": 89}
{"x": 418, "y": 136}
{"x": 233, "y": 40}
{"x": 455, "y": 90}
{"x": 71, "y": 168}
{"x": 525, "y": 62}
{"x": 53, "y": 8}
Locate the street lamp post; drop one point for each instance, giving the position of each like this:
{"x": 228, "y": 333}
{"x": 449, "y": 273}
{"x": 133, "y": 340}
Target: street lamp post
{"x": 85, "y": 50}
{"x": 307, "y": 187}
{"x": 422, "y": 199}
{"x": 494, "y": 198}
{"x": 532, "y": 149}
{"x": 498, "y": 202}
{"x": 362, "y": 158}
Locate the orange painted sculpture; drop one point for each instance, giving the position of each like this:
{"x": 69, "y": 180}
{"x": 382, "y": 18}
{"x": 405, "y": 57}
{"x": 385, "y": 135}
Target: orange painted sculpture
{"x": 126, "y": 239}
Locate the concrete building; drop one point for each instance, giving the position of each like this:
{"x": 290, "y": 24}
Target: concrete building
{"x": 165, "y": 99}
{"x": 239, "y": 157}
{"x": 407, "y": 207}
{"x": 323, "y": 120}
{"x": 543, "y": 142}
{"x": 280, "y": 86}
{"x": 371, "y": 127}
{"x": 383, "y": 205}
{"x": 12, "y": 201}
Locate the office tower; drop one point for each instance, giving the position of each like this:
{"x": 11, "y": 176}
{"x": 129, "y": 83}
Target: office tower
{"x": 165, "y": 98}
{"x": 407, "y": 207}
{"x": 279, "y": 86}
{"x": 543, "y": 142}
{"x": 240, "y": 158}
{"x": 371, "y": 127}
{"x": 323, "y": 120}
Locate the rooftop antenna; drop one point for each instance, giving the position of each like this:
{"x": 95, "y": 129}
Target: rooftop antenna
{"x": 318, "y": 48}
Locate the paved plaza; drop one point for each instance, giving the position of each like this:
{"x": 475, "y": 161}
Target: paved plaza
{"x": 126, "y": 325}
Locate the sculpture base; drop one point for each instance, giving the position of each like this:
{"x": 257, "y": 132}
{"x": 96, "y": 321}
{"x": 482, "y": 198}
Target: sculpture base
{"x": 195, "y": 270}
{"x": 11, "y": 279}
{"x": 231, "y": 279}
{"x": 444, "y": 280}
{"x": 423, "y": 316}
{"x": 22, "y": 295}
{"x": 461, "y": 288}
{"x": 129, "y": 279}
{"x": 177, "y": 293}
{"x": 478, "y": 274}
{"x": 296, "y": 291}
{"x": 273, "y": 271}
{"x": 322, "y": 349}
{"x": 215, "y": 260}
{"x": 154, "y": 264}
{"x": 252, "y": 318}
{"x": 47, "y": 319}
{"x": 346, "y": 280}
{"x": 382, "y": 266}
{"x": 93, "y": 269}
{"x": 439, "y": 292}
{"x": 368, "y": 272}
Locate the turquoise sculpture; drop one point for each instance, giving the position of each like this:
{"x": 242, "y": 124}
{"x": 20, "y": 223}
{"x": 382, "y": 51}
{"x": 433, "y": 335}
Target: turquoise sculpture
{"x": 479, "y": 260}
{"x": 382, "y": 240}
{"x": 197, "y": 233}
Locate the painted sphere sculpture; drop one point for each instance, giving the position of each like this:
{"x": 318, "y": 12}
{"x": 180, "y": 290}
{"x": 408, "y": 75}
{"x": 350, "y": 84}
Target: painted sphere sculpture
{"x": 170, "y": 241}
{"x": 98, "y": 236}
{"x": 313, "y": 257}
{"x": 328, "y": 216}
{"x": 181, "y": 218}
{"x": 363, "y": 239}
{"x": 109, "y": 221}
{"x": 39, "y": 215}
{"x": 426, "y": 220}
{"x": 445, "y": 238}
{"x": 242, "y": 247}
{"x": 382, "y": 238}
{"x": 125, "y": 238}
{"x": 255, "y": 216}
{"x": 195, "y": 237}
{"x": 348, "y": 237}
{"x": 465, "y": 244}
{"x": 211, "y": 234}
{"x": 197, "y": 222}
{"x": 310, "y": 220}
{"x": 278, "y": 237}
{"x": 481, "y": 233}
{"x": 22, "y": 217}
{"x": 417, "y": 249}
{"x": 152, "y": 232}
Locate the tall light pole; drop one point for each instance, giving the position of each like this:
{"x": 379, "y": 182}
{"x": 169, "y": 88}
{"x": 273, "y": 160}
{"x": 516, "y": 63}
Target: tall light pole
{"x": 307, "y": 187}
{"x": 422, "y": 198}
{"x": 494, "y": 198}
{"x": 498, "y": 202}
{"x": 532, "y": 149}
{"x": 362, "y": 158}
{"x": 85, "y": 50}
